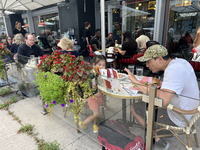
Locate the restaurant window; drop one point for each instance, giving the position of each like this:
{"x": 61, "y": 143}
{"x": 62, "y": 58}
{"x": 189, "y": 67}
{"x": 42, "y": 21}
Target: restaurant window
{"x": 182, "y": 24}
{"x": 136, "y": 15}
{"x": 47, "y": 26}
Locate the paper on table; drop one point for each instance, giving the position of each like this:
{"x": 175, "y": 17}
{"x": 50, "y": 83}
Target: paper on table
{"x": 129, "y": 91}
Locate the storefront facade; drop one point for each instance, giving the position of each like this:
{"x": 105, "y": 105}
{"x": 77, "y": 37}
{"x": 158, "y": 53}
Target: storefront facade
{"x": 156, "y": 17}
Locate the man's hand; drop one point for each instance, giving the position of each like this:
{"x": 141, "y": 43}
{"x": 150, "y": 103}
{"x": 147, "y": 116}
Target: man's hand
{"x": 131, "y": 76}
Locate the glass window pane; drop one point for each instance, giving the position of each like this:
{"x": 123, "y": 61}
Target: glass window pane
{"x": 137, "y": 15}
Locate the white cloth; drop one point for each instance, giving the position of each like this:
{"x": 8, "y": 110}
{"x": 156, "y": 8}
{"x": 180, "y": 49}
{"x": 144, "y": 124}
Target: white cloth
{"x": 141, "y": 41}
{"x": 198, "y": 49}
{"x": 179, "y": 77}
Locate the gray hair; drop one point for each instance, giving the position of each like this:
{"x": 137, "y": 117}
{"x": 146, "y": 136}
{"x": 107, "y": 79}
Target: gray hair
{"x": 19, "y": 39}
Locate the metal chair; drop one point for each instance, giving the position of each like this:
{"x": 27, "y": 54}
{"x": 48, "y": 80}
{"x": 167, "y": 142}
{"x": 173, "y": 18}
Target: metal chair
{"x": 187, "y": 130}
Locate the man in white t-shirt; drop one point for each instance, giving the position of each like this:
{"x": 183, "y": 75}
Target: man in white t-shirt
{"x": 179, "y": 86}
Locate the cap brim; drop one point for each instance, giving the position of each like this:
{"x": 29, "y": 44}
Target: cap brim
{"x": 59, "y": 44}
{"x": 143, "y": 59}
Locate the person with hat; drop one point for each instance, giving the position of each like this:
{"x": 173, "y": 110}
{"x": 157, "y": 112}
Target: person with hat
{"x": 109, "y": 40}
{"x": 175, "y": 83}
{"x": 67, "y": 47}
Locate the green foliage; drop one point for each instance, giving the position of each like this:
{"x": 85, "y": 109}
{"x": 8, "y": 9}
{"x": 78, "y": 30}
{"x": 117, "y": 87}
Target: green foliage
{"x": 5, "y": 91}
{"x": 5, "y": 105}
{"x": 51, "y": 87}
{"x": 10, "y": 113}
{"x": 65, "y": 80}
{"x": 3, "y": 67}
{"x": 42, "y": 145}
{"x": 27, "y": 128}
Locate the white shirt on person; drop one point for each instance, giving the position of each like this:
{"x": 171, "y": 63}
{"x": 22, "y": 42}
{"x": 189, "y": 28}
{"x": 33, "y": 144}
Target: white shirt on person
{"x": 179, "y": 77}
{"x": 141, "y": 41}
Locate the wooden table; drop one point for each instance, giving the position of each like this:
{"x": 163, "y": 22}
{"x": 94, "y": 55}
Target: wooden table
{"x": 122, "y": 96}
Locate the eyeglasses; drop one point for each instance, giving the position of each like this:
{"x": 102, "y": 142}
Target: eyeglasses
{"x": 9, "y": 39}
{"x": 32, "y": 40}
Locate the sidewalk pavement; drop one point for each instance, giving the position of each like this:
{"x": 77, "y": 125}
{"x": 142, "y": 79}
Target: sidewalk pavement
{"x": 29, "y": 112}
{"x": 62, "y": 129}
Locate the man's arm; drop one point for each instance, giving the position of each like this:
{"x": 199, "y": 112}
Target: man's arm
{"x": 94, "y": 44}
{"x": 165, "y": 94}
{"x": 122, "y": 52}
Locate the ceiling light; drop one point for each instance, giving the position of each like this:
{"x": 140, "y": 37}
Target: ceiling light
{"x": 140, "y": 4}
{"x": 137, "y": 8}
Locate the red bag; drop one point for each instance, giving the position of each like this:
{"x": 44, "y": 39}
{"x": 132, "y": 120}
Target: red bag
{"x": 114, "y": 135}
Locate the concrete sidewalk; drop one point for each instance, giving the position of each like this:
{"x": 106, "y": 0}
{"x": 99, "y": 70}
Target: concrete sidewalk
{"x": 29, "y": 112}
{"x": 59, "y": 128}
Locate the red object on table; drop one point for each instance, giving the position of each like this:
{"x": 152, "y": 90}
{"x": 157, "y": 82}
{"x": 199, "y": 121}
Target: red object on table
{"x": 58, "y": 48}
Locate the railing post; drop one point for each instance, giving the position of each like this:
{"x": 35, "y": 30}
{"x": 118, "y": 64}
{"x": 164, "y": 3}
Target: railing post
{"x": 150, "y": 118}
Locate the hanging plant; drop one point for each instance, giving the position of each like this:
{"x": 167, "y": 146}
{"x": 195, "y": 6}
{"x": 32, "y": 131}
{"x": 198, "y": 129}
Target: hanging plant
{"x": 65, "y": 80}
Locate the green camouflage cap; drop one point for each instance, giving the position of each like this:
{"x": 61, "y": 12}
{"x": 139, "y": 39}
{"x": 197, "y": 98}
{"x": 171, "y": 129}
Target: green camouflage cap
{"x": 153, "y": 51}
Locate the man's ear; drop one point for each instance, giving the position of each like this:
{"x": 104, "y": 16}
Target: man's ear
{"x": 160, "y": 59}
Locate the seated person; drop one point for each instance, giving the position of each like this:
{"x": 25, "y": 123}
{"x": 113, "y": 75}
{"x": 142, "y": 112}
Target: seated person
{"x": 109, "y": 40}
{"x": 18, "y": 40}
{"x": 29, "y": 48}
{"x": 129, "y": 46}
{"x": 177, "y": 71}
{"x": 67, "y": 47}
{"x": 96, "y": 41}
{"x": 8, "y": 42}
{"x": 188, "y": 37}
{"x": 142, "y": 39}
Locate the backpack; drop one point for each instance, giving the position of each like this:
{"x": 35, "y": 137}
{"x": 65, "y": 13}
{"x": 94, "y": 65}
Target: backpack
{"x": 114, "y": 135}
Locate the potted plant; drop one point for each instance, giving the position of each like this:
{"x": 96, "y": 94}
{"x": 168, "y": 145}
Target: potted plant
{"x": 65, "y": 80}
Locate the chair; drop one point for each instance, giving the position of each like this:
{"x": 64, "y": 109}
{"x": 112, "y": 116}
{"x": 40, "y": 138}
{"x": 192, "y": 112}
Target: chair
{"x": 187, "y": 53}
{"x": 91, "y": 53}
{"x": 128, "y": 61}
{"x": 110, "y": 58}
{"x": 188, "y": 129}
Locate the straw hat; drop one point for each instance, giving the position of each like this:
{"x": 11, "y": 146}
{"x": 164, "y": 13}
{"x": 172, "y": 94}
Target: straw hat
{"x": 65, "y": 44}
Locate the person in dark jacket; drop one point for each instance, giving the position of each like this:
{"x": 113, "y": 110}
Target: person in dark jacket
{"x": 18, "y": 40}
{"x": 29, "y": 48}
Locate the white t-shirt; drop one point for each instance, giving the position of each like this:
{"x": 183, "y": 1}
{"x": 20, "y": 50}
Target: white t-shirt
{"x": 179, "y": 77}
{"x": 142, "y": 40}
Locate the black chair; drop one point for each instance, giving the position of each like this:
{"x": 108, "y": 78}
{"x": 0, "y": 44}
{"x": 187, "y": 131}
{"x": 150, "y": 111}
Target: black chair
{"x": 150, "y": 43}
{"x": 187, "y": 53}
